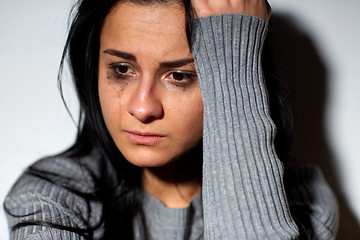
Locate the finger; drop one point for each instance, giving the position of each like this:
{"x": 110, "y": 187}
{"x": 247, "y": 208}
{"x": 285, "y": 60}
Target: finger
{"x": 268, "y": 11}
{"x": 198, "y": 7}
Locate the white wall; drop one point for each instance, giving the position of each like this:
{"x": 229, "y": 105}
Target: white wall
{"x": 34, "y": 123}
{"x": 333, "y": 28}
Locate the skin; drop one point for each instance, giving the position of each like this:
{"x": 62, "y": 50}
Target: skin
{"x": 257, "y": 8}
{"x": 150, "y": 96}
{"x": 145, "y": 99}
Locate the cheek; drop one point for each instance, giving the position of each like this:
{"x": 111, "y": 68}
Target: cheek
{"x": 188, "y": 117}
{"x": 196, "y": 120}
{"x": 110, "y": 102}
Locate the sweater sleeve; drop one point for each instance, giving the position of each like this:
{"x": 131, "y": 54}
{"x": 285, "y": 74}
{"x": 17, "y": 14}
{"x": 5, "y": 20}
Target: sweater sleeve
{"x": 243, "y": 191}
{"x": 48, "y": 202}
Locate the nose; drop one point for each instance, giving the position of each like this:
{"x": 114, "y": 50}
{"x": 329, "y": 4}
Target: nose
{"x": 145, "y": 104}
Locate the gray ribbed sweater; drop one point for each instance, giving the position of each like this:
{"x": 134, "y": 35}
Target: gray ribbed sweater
{"x": 243, "y": 194}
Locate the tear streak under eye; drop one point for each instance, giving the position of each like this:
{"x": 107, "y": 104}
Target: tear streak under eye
{"x": 120, "y": 72}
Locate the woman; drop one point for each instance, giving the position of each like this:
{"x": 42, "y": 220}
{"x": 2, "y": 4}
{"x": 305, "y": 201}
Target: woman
{"x": 164, "y": 151}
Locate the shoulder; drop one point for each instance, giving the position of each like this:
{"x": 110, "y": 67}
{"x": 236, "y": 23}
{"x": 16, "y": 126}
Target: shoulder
{"x": 76, "y": 174}
{"x": 312, "y": 203}
{"x": 56, "y": 191}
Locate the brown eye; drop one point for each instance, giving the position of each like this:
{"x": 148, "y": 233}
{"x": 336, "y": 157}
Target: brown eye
{"x": 178, "y": 76}
{"x": 122, "y": 69}
{"x": 182, "y": 76}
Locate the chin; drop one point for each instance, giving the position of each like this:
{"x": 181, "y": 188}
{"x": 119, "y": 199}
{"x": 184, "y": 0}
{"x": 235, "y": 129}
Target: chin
{"x": 145, "y": 156}
{"x": 147, "y": 163}
{"x": 141, "y": 159}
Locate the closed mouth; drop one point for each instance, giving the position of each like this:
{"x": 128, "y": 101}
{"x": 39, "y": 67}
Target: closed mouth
{"x": 141, "y": 138}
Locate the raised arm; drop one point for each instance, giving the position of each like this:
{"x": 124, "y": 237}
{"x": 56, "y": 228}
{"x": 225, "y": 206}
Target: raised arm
{"x": 243, "y": 192}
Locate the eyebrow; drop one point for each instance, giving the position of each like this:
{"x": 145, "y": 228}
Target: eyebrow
{"x": 168, "y": 64}
{"x": 177, "y": 63}
{"x": 120, "y": 54}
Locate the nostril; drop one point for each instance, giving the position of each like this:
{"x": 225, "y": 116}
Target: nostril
{"x": 145, "y": 103}
{"x": 146, "y": 110}
{"x": 152, "y": 118}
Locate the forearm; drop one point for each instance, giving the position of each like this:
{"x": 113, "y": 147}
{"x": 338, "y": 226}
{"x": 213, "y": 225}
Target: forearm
{"x": 243, "y": 192}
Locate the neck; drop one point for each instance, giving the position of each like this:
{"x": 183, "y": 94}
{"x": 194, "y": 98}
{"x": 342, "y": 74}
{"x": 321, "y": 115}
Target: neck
{"x": 176, "y": 183}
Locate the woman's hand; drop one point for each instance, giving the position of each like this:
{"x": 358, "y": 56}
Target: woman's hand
{"x": 257, "y": 8}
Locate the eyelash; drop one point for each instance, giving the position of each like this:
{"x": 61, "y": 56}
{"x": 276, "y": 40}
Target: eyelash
{"x": 120, "y": 75}
{"x": 187, "y": 76}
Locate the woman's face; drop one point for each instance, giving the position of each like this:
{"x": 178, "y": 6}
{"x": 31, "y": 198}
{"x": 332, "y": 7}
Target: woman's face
{"x": 149, "y": 94}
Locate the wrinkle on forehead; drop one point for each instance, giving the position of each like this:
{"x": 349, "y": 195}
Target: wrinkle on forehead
{"x": 155, "y": 25}
{"x": 150, "y": 15}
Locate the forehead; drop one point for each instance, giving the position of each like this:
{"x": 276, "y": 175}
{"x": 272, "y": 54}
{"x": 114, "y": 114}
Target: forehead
{"x": 143, "y": 27}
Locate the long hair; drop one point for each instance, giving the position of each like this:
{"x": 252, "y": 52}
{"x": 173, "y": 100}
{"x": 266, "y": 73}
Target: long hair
{"x": 121, "y": 198}
{"x": 82, "y": 51}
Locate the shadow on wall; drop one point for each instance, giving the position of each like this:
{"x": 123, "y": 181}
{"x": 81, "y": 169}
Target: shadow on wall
{"x": 296, "y": 60}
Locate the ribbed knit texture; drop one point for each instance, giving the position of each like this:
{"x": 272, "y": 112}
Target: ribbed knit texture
{"x": 242, "y": 182}
{"x": 57, "y": 201}
{"x": 243, "y": 195}
{"x": 168, "y": 223}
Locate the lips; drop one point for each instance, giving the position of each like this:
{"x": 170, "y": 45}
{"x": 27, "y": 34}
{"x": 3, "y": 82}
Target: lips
{"x": 147, "y": 139}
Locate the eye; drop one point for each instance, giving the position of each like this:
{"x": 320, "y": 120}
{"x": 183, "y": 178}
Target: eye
{"x": 181, "y": 76}
{"x": 122, "y": 70}
{"x": 178, "y": 76}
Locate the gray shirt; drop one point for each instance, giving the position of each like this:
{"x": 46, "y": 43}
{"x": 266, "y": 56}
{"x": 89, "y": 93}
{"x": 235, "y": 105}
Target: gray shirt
{"x": 243, "y": 194}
